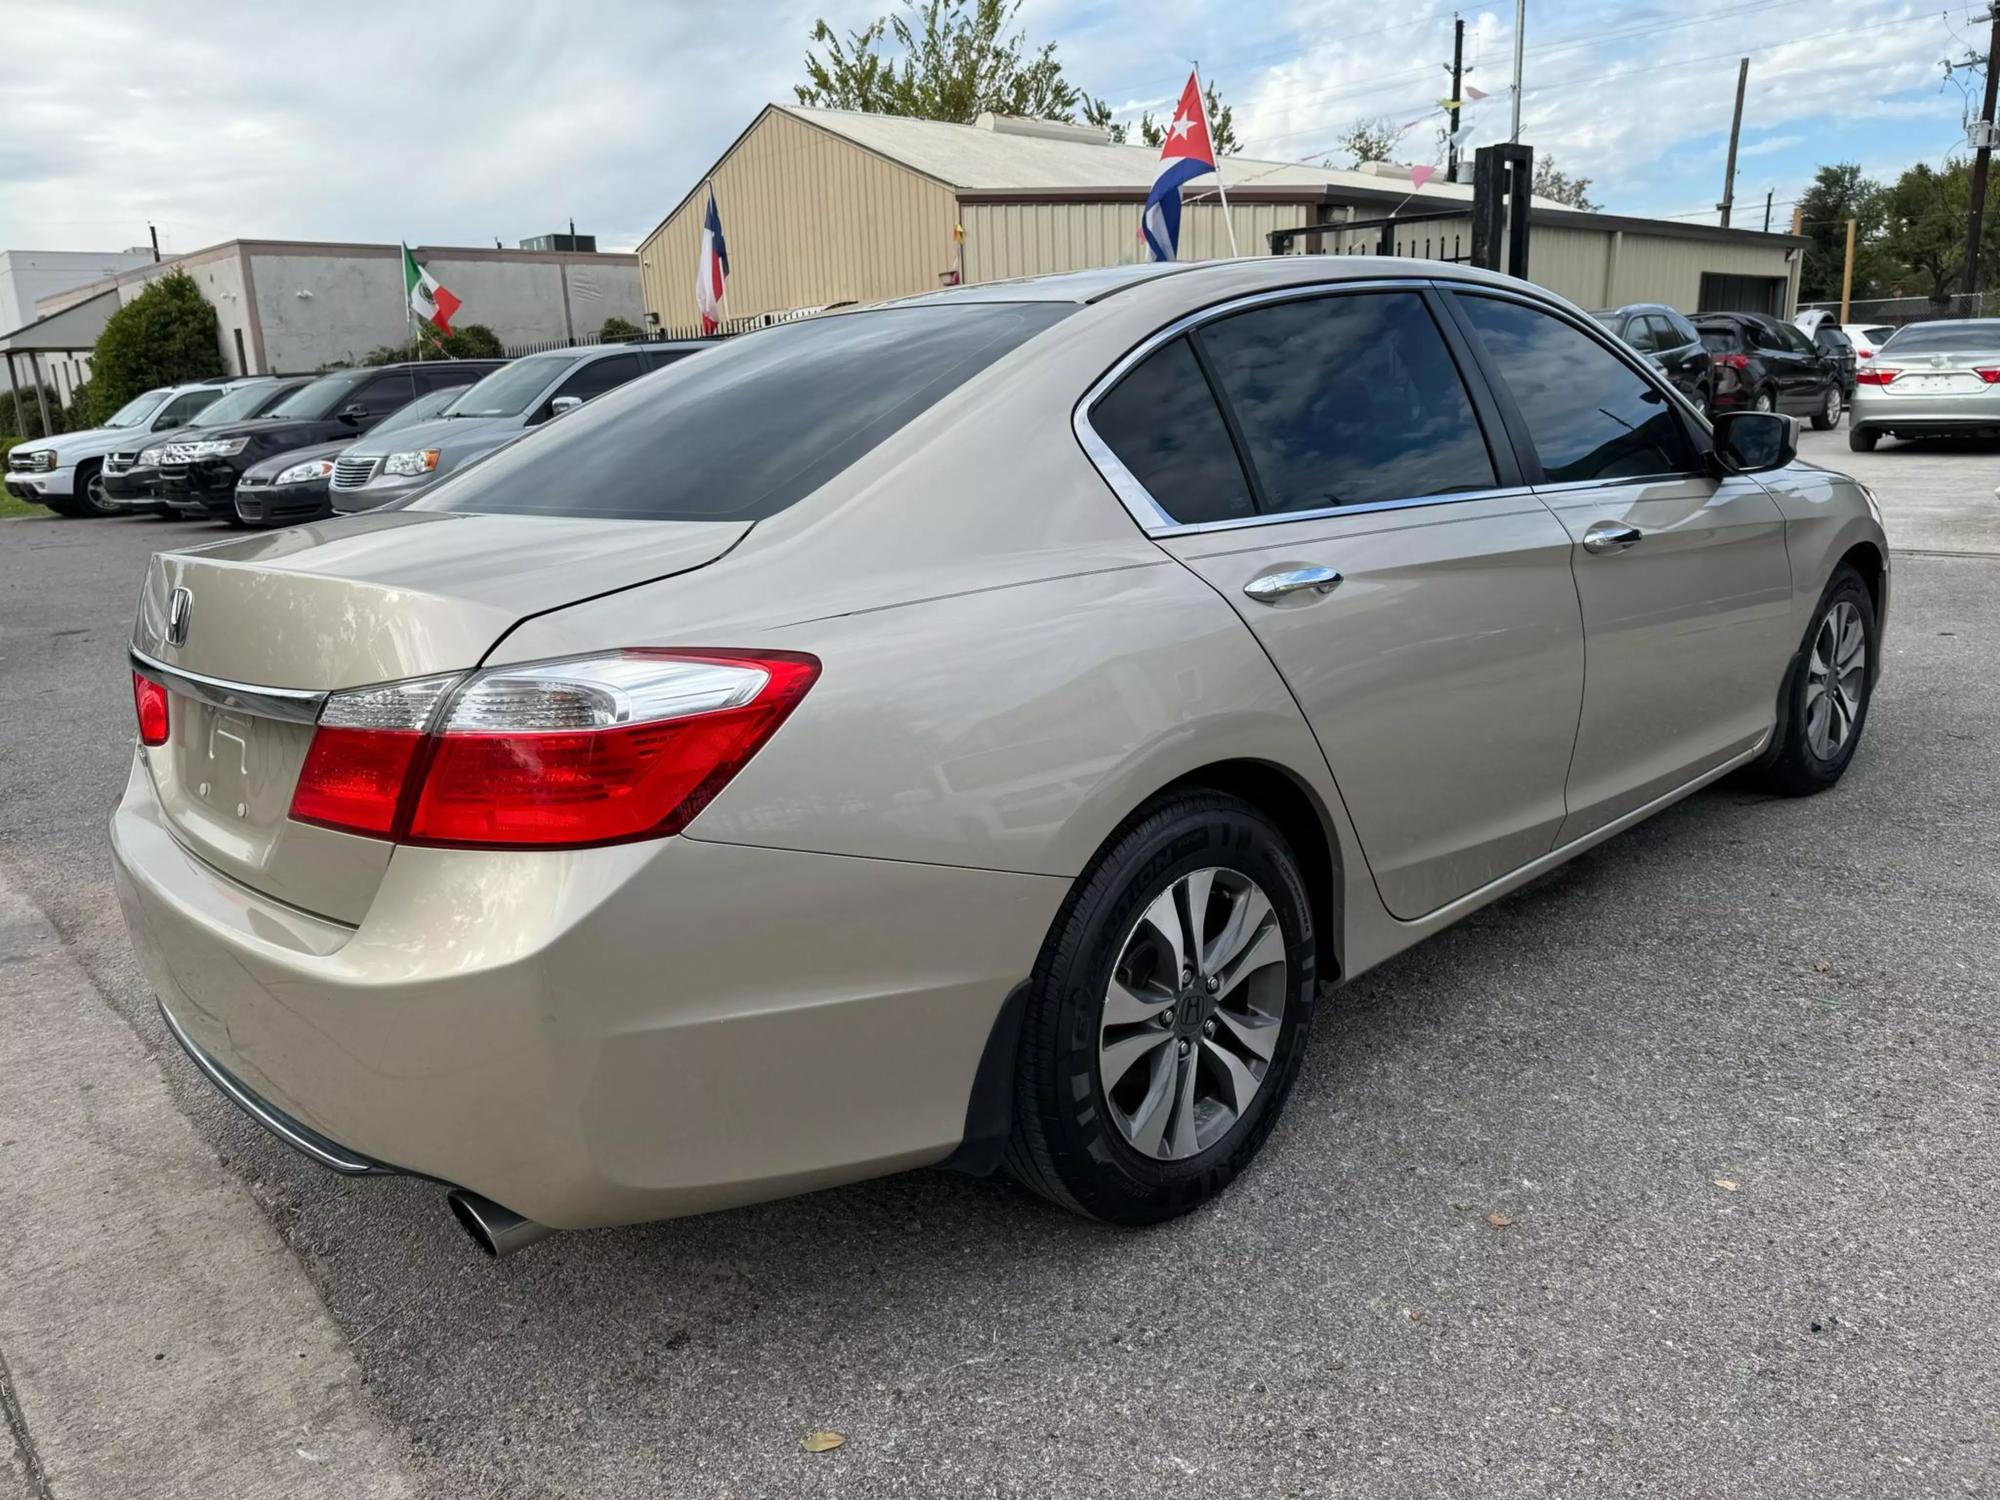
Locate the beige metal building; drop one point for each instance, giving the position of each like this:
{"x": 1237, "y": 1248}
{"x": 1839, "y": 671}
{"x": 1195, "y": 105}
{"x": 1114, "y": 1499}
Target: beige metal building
{"x": 828, "y": 206}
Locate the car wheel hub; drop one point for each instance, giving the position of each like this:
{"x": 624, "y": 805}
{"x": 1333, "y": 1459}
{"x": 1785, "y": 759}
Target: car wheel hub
{"x": 1192, "y": 1014}
{"x": 1836, "y": 675}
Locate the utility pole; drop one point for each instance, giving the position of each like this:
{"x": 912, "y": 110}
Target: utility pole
{"x": 153, "y": 230}
{"x": 1798, "y": 222}
{"x": 1457, "y": 80}
{"x": 1847, "y": 273}
{"x": 1735, "y": 129}
{"x": 1983, "y": 152}
{"x": 1520, "y": 32}
{"x": 1768, "y": 192}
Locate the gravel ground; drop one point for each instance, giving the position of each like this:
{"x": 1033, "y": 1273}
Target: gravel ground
{"x": 1728, "y": 1082}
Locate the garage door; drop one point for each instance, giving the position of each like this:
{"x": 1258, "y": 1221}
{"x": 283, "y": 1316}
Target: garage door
{"x": 1722, "y": 292}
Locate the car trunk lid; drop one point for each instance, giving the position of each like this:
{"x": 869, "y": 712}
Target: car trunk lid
{"x": 250, "y": 632}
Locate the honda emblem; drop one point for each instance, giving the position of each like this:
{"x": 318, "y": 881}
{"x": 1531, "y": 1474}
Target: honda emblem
{"x": 178, "y": 609}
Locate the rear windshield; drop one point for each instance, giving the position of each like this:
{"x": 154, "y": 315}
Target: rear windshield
{"x": 1963, "y": 337}
{"x": 1719, "y": 340}
{"x": 754, "y": 425}
{"x": 1879, "y": 335}
{"x": 508, "y": 390}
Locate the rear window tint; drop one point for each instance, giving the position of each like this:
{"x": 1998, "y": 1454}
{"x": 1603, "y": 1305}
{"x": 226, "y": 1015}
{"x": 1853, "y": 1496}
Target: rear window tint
{"x": 1162, "y": 421}
{"x": 1964, "y": 338}
{"x": 1720, "y": 340}
{"x": 754, "y": 425}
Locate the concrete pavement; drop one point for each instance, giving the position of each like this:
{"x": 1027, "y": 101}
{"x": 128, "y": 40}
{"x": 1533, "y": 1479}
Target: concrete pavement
{"x": 1797, "y": 999}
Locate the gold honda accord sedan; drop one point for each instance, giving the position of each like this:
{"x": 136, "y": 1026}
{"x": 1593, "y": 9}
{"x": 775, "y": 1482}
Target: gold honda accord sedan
{"x": 967, "y": 730}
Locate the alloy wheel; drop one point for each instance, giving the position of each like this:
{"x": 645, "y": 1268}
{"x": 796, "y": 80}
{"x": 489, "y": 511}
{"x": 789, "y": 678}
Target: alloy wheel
{"x": 94, "y": 496}
{"x": 1762, "y": 403}
{"x": 1193, "y": 1013}
{"x": 1833, "y": 407}
{"x": 1836, "y": 676}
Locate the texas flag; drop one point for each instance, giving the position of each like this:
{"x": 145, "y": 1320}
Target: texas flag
{"x": 1184, "y": 156}
{"x": 710, "y": 269}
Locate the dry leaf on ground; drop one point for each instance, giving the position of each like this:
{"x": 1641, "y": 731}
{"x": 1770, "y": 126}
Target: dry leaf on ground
{"x": 1728, "y": 1185}
{"x": 823, "y": 1442}
{"x": 1498, "y": 1220}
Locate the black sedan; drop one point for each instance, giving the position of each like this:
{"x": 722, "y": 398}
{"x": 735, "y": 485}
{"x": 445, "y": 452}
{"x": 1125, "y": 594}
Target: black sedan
{"x": 1669, "y": 341}
{"x": 293, "y": 486}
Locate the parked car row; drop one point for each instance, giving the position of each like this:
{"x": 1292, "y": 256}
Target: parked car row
{"x": 272, "y": 450}
{"x": 1732, "y": 361}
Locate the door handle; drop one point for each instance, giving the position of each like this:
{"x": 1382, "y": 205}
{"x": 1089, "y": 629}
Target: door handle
{"x": 1611, "y": 536}
{"x": 1269, "y": 588}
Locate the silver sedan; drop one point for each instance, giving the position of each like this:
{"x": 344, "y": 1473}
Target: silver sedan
{"x": 1937, "y": 379}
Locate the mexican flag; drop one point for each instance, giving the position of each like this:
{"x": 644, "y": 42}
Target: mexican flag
{"x": 428, "y": 300}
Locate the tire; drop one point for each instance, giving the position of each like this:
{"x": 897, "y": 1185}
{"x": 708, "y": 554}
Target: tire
{"x": 1862, "y": 439}
{"x": 1814, "y": 752}
{"x": 1084, "y": 1142}
{"x": 1828, "y": 416}
{"x": 1764, "y": 400}
{"x": 89, "y": 493}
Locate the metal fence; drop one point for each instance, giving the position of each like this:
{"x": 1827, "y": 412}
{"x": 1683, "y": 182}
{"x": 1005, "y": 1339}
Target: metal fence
{"x": 1894, "y": 312}
{"x": 663, "y": 332}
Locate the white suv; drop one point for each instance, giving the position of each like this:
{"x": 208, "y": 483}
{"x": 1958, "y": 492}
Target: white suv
{"x": 65, "y": 472}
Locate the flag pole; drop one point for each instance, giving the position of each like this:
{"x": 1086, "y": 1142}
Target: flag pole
{"x": 1208, "y": 130}
{"x": 409, "y": 312}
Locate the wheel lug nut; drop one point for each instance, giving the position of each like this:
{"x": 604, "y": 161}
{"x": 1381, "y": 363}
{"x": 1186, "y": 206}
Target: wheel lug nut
{"x": 1184, "y": 1046}
{"x": 1167, "y": 1019}
{"x": 1208, "y": 1028}
{"x": 1214, "y": 984}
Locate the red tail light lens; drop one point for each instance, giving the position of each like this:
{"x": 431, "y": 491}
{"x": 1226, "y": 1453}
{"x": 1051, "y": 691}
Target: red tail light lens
{"x": 595, "y": 750}
{"x": 150, "y": 699}
{"x": 1988, "y": 373}
{"x": 1733, "y": 361}
{"x": 1876, "y": 375}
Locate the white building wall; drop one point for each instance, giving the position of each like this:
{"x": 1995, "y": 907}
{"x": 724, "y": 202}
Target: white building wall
{"x": 28, "y": 276}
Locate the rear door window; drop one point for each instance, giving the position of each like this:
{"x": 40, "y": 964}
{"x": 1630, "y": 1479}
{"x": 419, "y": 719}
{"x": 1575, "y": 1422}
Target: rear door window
{"x": 1665, "y": 335}
{"x": 383, "y": 394}
{"x": 599, "y": 376}
{"x": 1346, "y": 400}
{"x": 754, "y": 425}
{"x": 450, "y": 375}
{"x": 1162, "y": 421}
{"x": 1589, "y": 414}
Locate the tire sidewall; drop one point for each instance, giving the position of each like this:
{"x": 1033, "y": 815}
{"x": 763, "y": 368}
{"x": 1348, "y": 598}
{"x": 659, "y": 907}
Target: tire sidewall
{"x": 1847, "y": 585}
{"x": 90, "y": 498}
{"x": 1119, "y": 1182}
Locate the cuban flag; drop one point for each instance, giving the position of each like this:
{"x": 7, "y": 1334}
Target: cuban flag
{"x": 1185, "y": 155}
{"x": 710, "y": 269}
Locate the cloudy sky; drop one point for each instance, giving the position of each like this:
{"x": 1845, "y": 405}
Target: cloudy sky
{"x": 447, "y": 123}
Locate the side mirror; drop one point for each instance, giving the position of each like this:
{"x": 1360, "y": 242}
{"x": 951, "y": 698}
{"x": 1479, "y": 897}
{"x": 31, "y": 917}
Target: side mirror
{"x": 1754, "y": 442}
{"x": 354, "y": 413}
{"x": 562, "y": 404}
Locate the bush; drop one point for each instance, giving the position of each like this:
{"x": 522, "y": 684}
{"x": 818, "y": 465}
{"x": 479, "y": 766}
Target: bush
{"x": 616, "y": 328}
{"x": 165, "y": 335}
{"x": 27, "y": 422}
{"x": 473, "y": 341}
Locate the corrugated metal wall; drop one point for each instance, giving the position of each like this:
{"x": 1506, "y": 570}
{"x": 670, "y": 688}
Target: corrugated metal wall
{"x": 1003, "y": 240}
{"x": 1650, "y": 269}
{"x": 810, "y": 220}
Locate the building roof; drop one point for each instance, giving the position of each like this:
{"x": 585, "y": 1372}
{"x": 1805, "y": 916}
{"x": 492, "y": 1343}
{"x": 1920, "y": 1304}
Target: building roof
{"x": 979, "y": 158}
{"x": 72, "y": 330}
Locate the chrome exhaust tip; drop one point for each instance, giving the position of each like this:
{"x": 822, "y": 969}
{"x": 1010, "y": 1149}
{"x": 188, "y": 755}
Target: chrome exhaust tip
{"x": 496, "y": 1230}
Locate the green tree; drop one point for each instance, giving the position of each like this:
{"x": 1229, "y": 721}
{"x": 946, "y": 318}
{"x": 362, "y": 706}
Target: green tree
{"x": 166, "y": 334}
{"x": 1551, "y": 181}
{"x": 1370, "y": 139}
{"x": 1839, "y": 193}
{"x": 1924, "y": 218}
{"x": 957, "y": 60}
{"x": 616, "y": 328}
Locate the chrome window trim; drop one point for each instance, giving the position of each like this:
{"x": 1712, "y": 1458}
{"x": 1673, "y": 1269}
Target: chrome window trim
{"x": 294, "y": 705}
{"x": 1150, "y": 515}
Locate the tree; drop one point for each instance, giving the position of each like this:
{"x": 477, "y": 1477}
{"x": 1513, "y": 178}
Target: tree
{"x": 1366, "y": 140}
{"x": 1551, "y": 181}
{"x": 616, "y": 328}
{"x": 1924, "y": 218}
{"x": 27, "y": 422}
{"x": 165, "y": 335}
{"x": 957, "y": 61}
{"x": 1839, "y": 193}
{"x": 473, "y": 341}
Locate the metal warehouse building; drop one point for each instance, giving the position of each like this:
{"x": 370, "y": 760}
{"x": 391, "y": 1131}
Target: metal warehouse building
{"x": 827, "y": 206}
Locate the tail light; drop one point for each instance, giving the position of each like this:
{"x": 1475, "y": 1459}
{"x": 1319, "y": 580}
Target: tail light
{"x": 1876, "y": 375}
{"x": 1733, "y": 361}
{"x": 562, "y": 754}
{"x": 150, "y": 700}
{"x": 1988, "y": 373}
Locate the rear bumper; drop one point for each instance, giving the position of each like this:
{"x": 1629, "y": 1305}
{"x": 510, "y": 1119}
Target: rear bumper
{"x": 1875, "y": 410}
{"x": 599, "y": 1036}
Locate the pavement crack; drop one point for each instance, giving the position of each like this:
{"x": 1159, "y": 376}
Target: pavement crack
{"x": 24, "y": 1442}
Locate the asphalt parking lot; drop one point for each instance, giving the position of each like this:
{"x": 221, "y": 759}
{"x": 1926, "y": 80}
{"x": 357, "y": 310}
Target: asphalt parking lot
{"x": 1676, "y": 1174}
